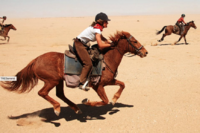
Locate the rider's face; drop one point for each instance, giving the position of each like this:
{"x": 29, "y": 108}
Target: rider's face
{"x": 105, "y": 24}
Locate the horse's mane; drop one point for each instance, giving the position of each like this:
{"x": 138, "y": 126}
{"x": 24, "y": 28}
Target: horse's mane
{"x": 6, "y": 25}
{"x": 191, "y": 22}
{"x": 118, "y": 35}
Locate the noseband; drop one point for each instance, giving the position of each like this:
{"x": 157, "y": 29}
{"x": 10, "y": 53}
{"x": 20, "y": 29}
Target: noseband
{"x": 138, "y": 52}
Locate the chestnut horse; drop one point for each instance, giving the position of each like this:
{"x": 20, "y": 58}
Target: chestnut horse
{"x": 7, "y": 28}
{"x": 49, "y": 68}
{"x": 169, "y": 30}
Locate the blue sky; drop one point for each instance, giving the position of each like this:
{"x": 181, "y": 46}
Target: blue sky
{"x": 80, "y": 8}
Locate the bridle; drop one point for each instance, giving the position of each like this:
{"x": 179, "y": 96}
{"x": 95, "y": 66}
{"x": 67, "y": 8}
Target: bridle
{"x": 138, "y": 52}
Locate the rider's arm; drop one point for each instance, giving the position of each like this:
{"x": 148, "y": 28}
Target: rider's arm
{"x": 184, "y": 21}
{"x": 104, "y": 39}
{"x": 100, "y": 42}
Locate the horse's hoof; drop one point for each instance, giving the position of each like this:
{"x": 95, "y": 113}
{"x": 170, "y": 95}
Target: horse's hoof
{"x": 113, "y": 103}
{"x": 78, "y": 112}
{"x": 84, "y": 101}
{"x": 57, "y": 112}
{"x": 174, "y": 43}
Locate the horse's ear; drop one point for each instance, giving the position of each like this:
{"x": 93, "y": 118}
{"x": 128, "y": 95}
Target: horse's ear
{"x": 124, "y": 34}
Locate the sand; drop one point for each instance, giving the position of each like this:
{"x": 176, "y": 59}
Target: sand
{"x": 162, "y": 90}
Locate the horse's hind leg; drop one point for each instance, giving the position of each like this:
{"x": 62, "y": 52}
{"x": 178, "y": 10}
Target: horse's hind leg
{"x": 44, "y": 93}
{"x": 185, "y": 40}
{"x": 60, "y": 94}
{"x": 167, "y": 32}
{"x": 162, "y": 38}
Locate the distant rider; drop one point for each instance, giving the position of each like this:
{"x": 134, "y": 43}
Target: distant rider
{"x": 180, "y": 23}
{"x": 91, "y": 33}
{"x": 1, "y": 23}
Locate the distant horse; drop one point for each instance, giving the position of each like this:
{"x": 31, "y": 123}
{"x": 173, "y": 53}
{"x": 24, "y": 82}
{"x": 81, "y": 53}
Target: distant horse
{"x": 7, "y": 28}
{"x": 49, "y": 68}
{"x": 170, "y": 29}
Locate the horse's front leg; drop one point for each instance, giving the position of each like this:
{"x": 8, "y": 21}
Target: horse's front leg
{"x": 179, "y": 39}
{"x": 185, "y": 40}
{"x": 118, "y": 93}
{"x": 8, "y": 38}
{"x": 102, "y": 94}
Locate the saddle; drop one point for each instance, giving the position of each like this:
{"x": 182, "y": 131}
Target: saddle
{"x": 177, "y": 29}
{"x": 74, "y": 67}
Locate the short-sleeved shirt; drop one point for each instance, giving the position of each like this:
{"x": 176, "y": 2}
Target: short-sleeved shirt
{"x": 181, "y": 20}
{"x": 89, "y": 34}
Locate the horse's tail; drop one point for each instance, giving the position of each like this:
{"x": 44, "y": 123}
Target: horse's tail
{"x": 161, "y": 30}
{"x": 26, "y": 80}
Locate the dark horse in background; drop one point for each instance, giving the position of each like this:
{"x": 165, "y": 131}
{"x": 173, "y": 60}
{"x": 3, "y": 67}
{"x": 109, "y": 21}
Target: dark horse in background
{"x": 49, "y": 68}
{"x": 6, "y": 29}
{"x": 170, "y": 29}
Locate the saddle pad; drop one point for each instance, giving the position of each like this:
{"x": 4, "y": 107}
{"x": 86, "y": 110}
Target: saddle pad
{"x": 176, "y": 29}
{"x": 71, "y": 66}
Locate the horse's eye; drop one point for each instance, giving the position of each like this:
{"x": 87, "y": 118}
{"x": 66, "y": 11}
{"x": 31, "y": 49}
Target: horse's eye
{"x": 135, "y": 41}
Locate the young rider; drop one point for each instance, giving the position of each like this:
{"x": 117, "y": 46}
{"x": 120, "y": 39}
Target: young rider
{"x": 91, "y": 33}
{"x": 180, "y": 22}
{"x": 1, "y": 23}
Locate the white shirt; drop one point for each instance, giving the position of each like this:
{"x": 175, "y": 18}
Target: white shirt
{"x": 89, "y": 34}
{"x": 1, "y": 21}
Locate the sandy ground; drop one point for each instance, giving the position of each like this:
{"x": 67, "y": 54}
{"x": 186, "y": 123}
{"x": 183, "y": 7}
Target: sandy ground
{"x": 162, "y": 90}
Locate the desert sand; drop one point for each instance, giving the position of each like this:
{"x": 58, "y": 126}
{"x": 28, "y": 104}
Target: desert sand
{"x": 162, "y": 90}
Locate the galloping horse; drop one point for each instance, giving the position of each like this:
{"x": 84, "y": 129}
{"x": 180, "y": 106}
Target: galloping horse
{"x": 169, "y": 30}
{"x": 7, "y": 28}
{"x": 49, "y": 68}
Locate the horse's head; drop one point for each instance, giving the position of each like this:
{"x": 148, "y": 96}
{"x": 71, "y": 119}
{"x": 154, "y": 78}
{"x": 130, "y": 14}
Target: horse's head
{"x": 10, "y": 26}
{"x": 129, "y": 44}
{"x": 192, "y": 24}
{"x": 13, "y": 27}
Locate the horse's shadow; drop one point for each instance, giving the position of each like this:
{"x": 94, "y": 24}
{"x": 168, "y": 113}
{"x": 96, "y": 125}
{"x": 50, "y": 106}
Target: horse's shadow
{"x": 3, "y": 43}
{"x": 88, "y": 113}
{"x": 171, "y": 44}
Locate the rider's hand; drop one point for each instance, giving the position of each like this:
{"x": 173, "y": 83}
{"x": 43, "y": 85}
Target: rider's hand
{"x": 112, "y": 44}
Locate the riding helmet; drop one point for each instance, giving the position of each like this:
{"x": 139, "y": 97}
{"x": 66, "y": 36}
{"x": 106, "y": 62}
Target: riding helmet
{"x": 102, "y": 16}
{"x": 183, "y": 15}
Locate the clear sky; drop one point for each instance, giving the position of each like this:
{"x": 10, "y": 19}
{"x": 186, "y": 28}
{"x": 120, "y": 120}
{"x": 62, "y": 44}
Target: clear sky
{"x": 80, "y": 8}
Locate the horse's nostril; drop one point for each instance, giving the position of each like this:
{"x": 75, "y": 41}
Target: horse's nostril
{"x": 146, "y": 52}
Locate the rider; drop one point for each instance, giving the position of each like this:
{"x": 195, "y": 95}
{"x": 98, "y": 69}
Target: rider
{"x": 91, "y": 33}
{"x": 1, "y": 23}
{"x": 180, "y": 23}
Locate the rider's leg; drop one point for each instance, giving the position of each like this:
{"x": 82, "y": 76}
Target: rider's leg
{"x": 82, "y": 52}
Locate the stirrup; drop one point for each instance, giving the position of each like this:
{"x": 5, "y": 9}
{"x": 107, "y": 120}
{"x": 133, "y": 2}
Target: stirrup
{"x": 84, "y": 87}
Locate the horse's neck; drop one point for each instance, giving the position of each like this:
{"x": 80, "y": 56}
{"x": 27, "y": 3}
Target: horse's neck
{"x": 6, "y": 30}
{"x": 187, "y": 28}
{"x": 113, "y": 57}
